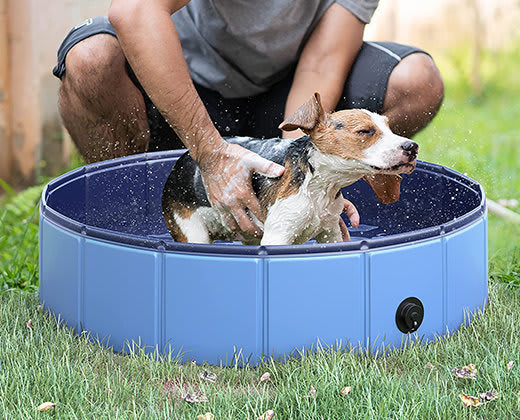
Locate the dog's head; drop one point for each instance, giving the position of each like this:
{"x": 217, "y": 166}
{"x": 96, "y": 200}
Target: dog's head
{"x": 362, "y": 136}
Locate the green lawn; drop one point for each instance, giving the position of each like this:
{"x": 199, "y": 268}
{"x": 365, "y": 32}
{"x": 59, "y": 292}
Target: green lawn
{"x": 48, "y": 363}
{"x": 477, "y": 136}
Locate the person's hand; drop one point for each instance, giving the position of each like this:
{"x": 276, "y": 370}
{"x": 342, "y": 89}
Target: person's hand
{"x": 226, "y": 172}
{"x": 350, "y": 210}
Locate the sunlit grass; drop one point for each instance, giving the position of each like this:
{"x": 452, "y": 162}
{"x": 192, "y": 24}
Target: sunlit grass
{"x": 48, "y": 363}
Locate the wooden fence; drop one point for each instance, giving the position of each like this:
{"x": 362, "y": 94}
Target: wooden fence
{"x": 31, "y": 136}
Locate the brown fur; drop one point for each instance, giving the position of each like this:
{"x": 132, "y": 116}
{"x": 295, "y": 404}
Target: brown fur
{"x": 174, "y": 208}
{"x": 326, "y": 136}
{"x": 306, "y": 116}
{"x": 345, "y": 142}
{"x": 283, "y": 188}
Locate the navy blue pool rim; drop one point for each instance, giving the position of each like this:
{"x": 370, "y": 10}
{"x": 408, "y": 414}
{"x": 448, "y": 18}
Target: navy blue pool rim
{"x": 257, "y": 251}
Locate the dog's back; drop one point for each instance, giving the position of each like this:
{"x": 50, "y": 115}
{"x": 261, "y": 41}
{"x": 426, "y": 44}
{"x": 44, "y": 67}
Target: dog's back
{"x": 184, "y": 190}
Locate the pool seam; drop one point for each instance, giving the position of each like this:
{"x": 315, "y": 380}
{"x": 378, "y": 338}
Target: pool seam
{"x": 81, "y": 285}
{"x": 444, "y": 258}
{"x": 158, "y": 285}
{"x": 366, "y": 275}
{"x": 265, "y": 306}
{"x": 259, "y": 313}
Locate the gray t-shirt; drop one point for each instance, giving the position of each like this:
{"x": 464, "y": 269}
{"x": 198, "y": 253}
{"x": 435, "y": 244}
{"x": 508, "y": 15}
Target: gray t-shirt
{"x": 241, "y": 47}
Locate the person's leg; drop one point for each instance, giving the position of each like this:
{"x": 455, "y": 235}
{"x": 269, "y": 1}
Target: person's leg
{"x": 101, "y": 108}
{"x": 399, "y": 81}
{"x": 414, "y": 94}
{"x": 107, "y": 112}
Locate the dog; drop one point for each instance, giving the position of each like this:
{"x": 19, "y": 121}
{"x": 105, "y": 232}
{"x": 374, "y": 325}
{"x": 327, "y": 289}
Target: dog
{"x": 306, "y": 201}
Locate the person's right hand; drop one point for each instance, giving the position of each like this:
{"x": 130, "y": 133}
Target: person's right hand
{"x": 226, "y": 172}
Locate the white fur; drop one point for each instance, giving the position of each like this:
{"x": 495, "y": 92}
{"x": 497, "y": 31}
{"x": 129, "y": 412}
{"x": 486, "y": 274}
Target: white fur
{"x": 193, "y": 228}
{"x": 313, "y": 211}
{"x": 385, "y": 152}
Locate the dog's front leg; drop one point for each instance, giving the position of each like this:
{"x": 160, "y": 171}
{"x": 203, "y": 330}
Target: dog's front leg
{"x": 286, "y": 220}
{"x": 330, "y": 235}
{"x": 279, "y": 231}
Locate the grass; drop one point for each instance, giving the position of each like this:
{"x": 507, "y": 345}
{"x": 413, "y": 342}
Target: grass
{"x": 19, "y": 240}
{"x": 46, "y": 362}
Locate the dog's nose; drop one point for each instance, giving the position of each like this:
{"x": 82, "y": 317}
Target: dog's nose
{"x": 410, "y": 149}
{"x": 410, "y": 146}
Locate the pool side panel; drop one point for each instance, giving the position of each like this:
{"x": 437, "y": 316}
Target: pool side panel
{"x": 211, "y": 308}
{"x": 467, "y": 272}
{"x": 315, "y": 299}
{"x": 59, "y": 271}
{"x": 119, "y": 295}
{"x": 399, "y": 273}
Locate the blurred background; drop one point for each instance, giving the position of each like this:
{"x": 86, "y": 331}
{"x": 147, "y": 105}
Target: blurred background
{"x": 476, "y": 44}
{"x": 473, "y": 42}
{"x": 468, "y": 38}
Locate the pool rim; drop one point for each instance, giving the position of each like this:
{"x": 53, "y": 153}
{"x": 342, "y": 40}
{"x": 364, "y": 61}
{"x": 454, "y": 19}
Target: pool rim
{"x": 126, "y": 239}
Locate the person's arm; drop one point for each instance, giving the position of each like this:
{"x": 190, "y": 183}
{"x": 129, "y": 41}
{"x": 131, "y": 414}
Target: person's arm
{"x": 152, "y": 47}
{"x": 326, "y": 60}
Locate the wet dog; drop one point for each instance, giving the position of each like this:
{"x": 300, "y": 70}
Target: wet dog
{"x": 306, "y": 201}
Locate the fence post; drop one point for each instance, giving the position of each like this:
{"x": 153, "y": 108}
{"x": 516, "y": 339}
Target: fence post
{"x": 5, "y": 99}
{"x": 25, "y": 89}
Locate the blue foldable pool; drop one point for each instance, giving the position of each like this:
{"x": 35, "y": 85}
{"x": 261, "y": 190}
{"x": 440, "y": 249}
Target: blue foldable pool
{"x": 108, "y": 266}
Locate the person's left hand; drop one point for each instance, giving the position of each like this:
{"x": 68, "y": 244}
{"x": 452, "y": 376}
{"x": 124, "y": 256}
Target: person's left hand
{"x": 350, "y": 210}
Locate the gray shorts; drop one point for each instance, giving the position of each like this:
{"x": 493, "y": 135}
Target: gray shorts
{"x": 258, "y": 116}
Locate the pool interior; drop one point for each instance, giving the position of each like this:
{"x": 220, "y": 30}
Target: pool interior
{"x": 125, "y": 199}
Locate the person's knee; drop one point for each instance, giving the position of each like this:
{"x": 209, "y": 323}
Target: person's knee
{"x": 416, "y": 78}
{"x": 93, "y": 65}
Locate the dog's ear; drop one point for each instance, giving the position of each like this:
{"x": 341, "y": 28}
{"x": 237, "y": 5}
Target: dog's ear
{"x": 386, "y": 187}
{"x": 306, "y": 116}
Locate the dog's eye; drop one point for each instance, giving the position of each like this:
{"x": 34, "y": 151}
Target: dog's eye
{"x": 367, "y": 132}
{"x": 339, "y": 125}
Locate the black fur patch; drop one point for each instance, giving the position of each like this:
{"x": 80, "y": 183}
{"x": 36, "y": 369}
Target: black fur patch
{"x": 184, "y": 184}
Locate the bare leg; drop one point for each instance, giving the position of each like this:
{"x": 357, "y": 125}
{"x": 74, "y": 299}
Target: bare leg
{"x": 414, "y": 95}
{"x": 101, "y": 108}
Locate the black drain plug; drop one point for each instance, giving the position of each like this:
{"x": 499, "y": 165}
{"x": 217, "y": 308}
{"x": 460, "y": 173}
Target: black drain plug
{"x": 409, "y": 315}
